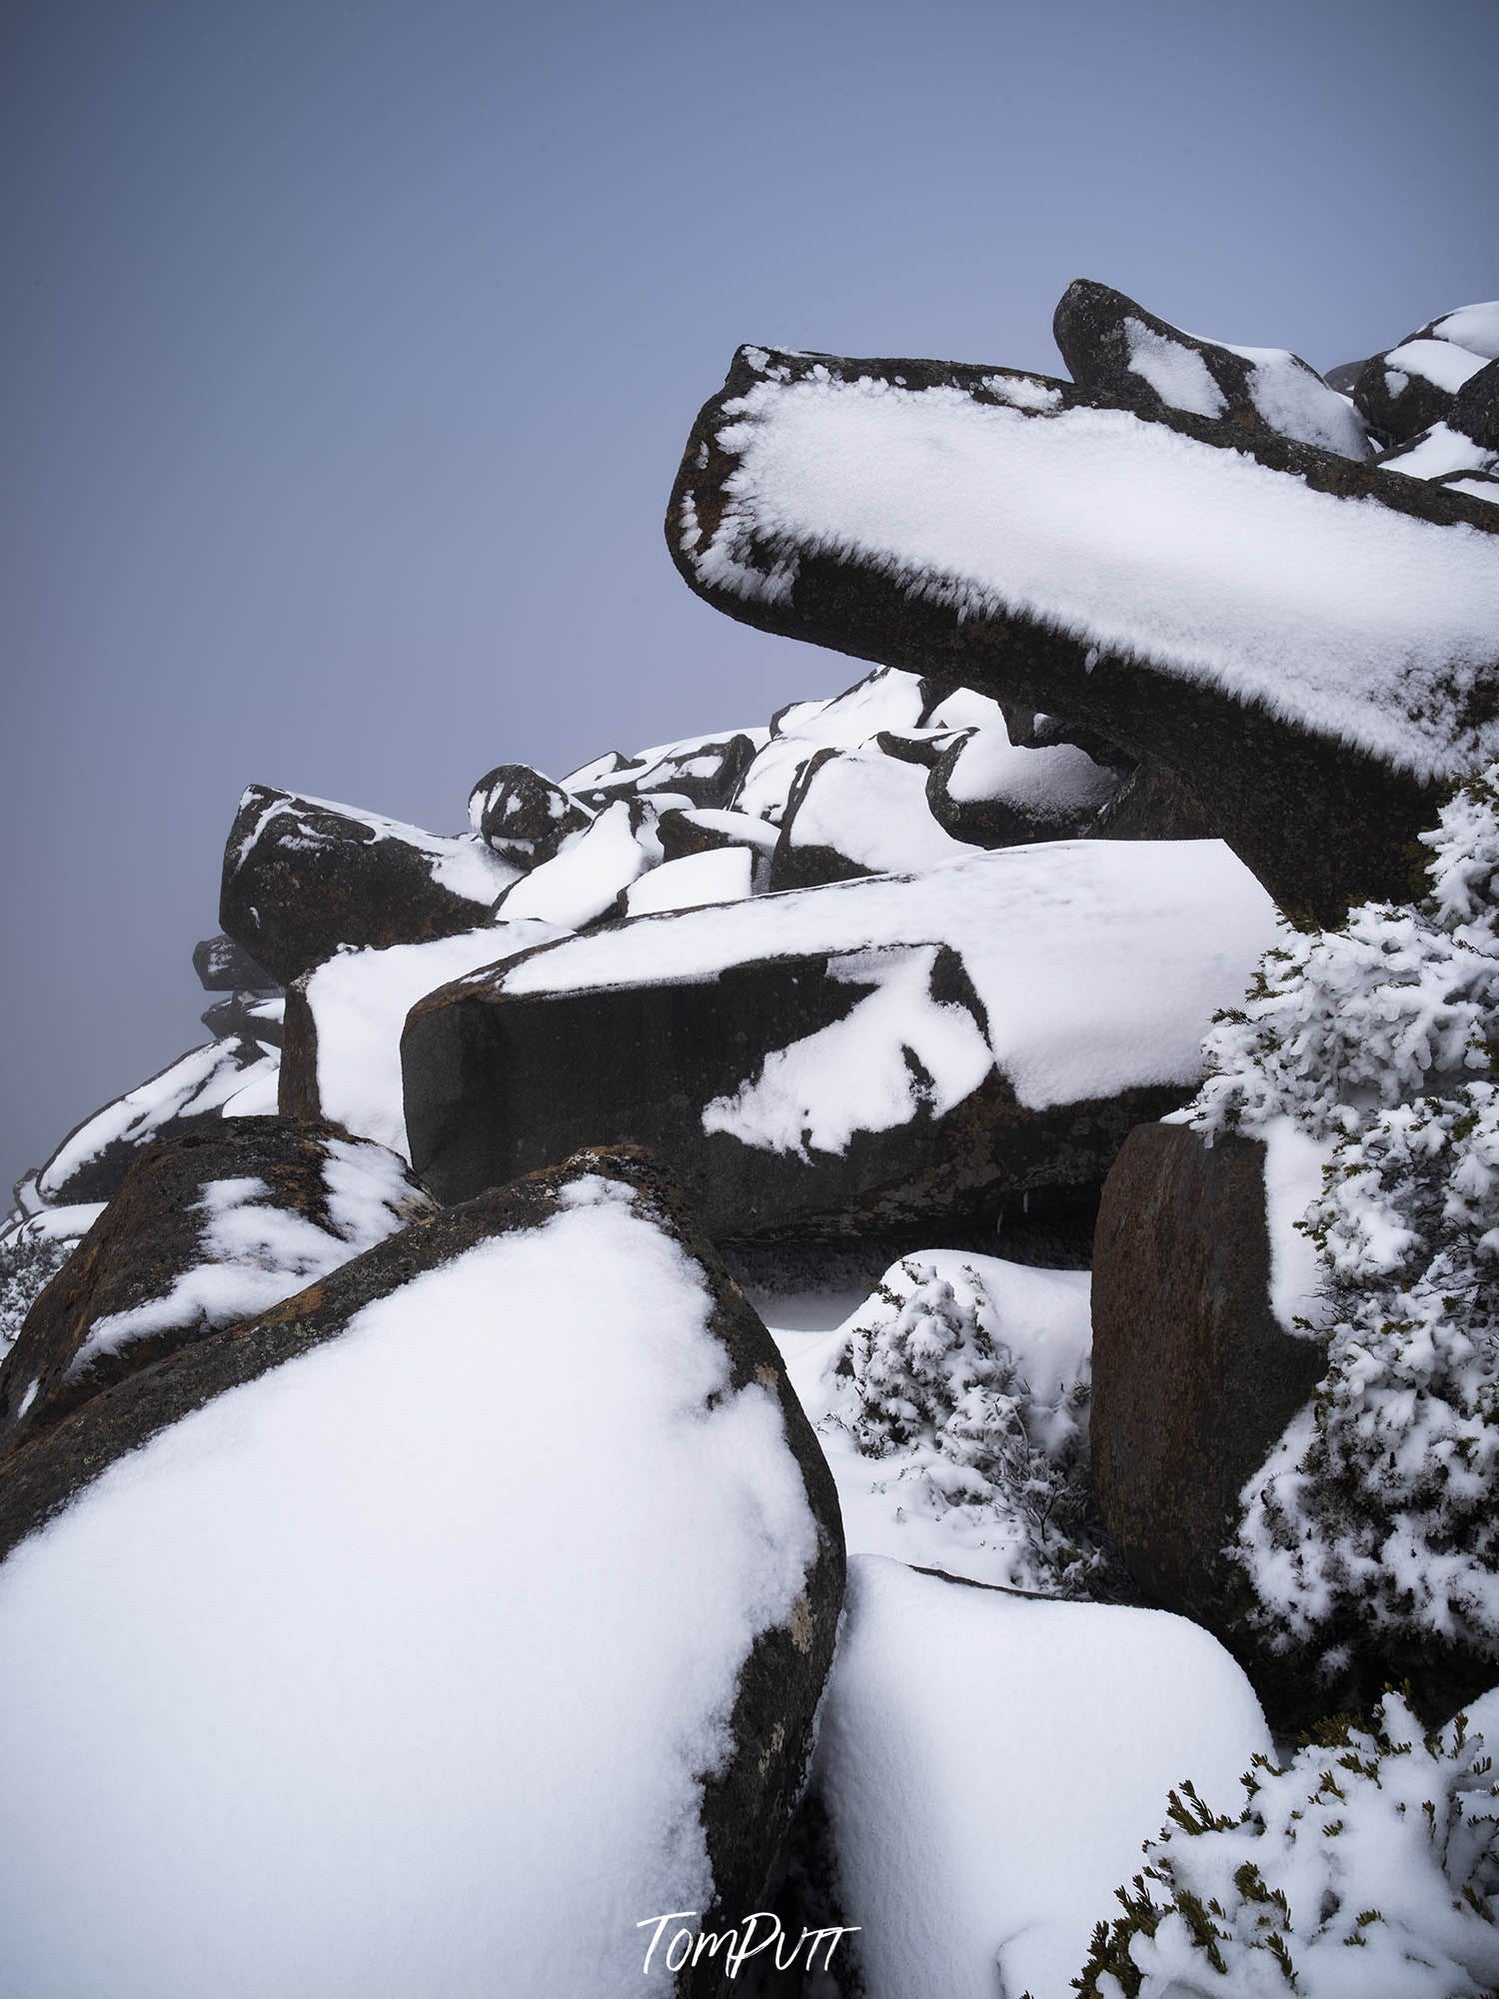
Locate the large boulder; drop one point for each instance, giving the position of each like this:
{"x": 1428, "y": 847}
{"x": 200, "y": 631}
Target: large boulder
{"x": 1307, "y": 643}
{"x": 838, "y": 1059}
{"x": 858, "y": 812}
{"x": 210, "y": 1226}
{"x": 1194, "y": 1374}
{"x": 302, "y": 877}
{"x": 702, "y": 771}
{"x": 223, "y": 966}
{"x": 483, "y": 1593}
{"x": 1133, "y": 360}
{"x": 1413, "y": 386}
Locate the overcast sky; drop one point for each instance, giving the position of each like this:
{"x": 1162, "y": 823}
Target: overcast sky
{"x": 353, "y": 343}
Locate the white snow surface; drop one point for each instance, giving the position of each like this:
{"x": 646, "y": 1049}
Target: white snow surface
{"x": 1178, "y": 373}
{"x": 359, "y": 1001}
{"x": 723, "y": 874}
{"x": 1099, "y": 963}
{"x": 1340, "y": 615}
{"x": 308, "y": 1697}
{"x": 1294, "y": 400}
{"x": 1053, "y": 779}
{"x": 873, "y": 809}
{"x": 582, "y": 879}
{"x": 992, "y": 1766}
{"x": 1437, "y": 452}
{"x": 204, "y": 1079}
{"x": 888, "y": 698}
{"x": 252, "y": 1252}
{"x": 1475, "y": 327}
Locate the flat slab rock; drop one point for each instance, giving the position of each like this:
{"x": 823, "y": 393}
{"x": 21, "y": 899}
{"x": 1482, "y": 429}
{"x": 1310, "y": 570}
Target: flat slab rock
{"x": 483, "y": 1593}
{"x": 847, "y": 1057}
{"x": 1307, "y": 642}
{"x": 210, "y": 1226}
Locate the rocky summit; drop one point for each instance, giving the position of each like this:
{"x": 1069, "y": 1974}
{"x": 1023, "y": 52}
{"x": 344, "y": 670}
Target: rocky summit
{"x": 824, "y": 1332}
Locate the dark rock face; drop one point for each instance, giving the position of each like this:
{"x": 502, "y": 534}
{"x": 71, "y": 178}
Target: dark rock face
{"x": 522, "y": 815}
{"x": 1152, "y": 804}
{"x": 1475, "y": 408}
{"x": 257, "y": 1015}
{"x": 209, "y": 1226}
{"x": 499, "y": 1085}
{"x": 684, "y": 831}
{"x": 223, "y": 966}
{"x": 1193, "y": 1377}
{"x": 1322, "y": 824}
{"x": 302, "y": 877}
{"x": 747, "y": 1806}
{"x": 1126, "y": 355}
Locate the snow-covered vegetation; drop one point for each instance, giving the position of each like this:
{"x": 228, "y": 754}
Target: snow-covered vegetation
{"x": 1366, "y": 1866}
{"x": 1379, "y": 1041}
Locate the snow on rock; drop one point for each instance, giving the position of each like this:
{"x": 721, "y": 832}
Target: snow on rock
{"x": 342, "y": 1059}
{"x": 893, "y": 1043}
{"x": 702, "y": 770}
{"x": 953, "y": 1409}
{"x": 477, "y": 1694}
{"x": 223, "y": 966}
{"x": 1309, "y": 642}
{"x": 521, "y": 815}
{"x": 858, "y": 812}
{"x": 1475, "y": 327}
{"x": 91, "y": 1161}
{"x": 587, "y": 875}
{"x": 1412, "y": 386}
{"x": 991, "y": 1766}
{"x": 303, "y": 876}
{"x": 210, "y": 1227}
{"x": 1116, "y": 348}
{"x": 723, "y": 874}
{"x": 994, "y": 793}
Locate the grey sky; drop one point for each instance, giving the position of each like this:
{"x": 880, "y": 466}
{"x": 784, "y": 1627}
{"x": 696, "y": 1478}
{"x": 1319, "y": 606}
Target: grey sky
{"x": 352, "y": 346}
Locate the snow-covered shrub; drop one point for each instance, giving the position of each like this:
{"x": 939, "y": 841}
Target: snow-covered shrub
{"x": 1377, "y": 1514}
{"x": 931, "y": 1388}
{"x": 29, "y": 1260}
{"x": 1368, "y": 1867}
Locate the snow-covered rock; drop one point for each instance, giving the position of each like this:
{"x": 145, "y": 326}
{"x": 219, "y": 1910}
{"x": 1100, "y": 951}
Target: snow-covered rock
{"x": 705, "y": 771}
{"x": 1412, "y": 386}
{"x": 210, "y": 1227}
{"x": 303, "y": 876}
{"x": 229, "y": 1078}
{"x": 865, "y": 1052}
{"x": 587, "y": 875}
{"x": 986, "y": 790}
{"x": 522, "y": 815}
{"x": 33, "y": 1248}
{"x": 991, "y": 1765}
{"x": 1233, "y": 607}
{"x": 223, "y": 966}
{"x": 858, "y": 812}
{"x": 423, "y": 1638}
{"x": 1129, "y": 357}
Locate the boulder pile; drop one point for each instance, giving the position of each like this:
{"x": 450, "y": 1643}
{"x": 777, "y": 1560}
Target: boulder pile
{"x": 434, "y": 1412}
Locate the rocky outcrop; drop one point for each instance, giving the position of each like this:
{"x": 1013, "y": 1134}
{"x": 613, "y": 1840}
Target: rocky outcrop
{"x": 302, "y": 877}
{"x": 520, "y": 1439}
{"x": 223, "y": 966}
{"x": 1130, "y": 359}
{"x": 209, "y": 1227}
{"x": 853, "y": 1056}
{"x": 1312, "y": 721}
